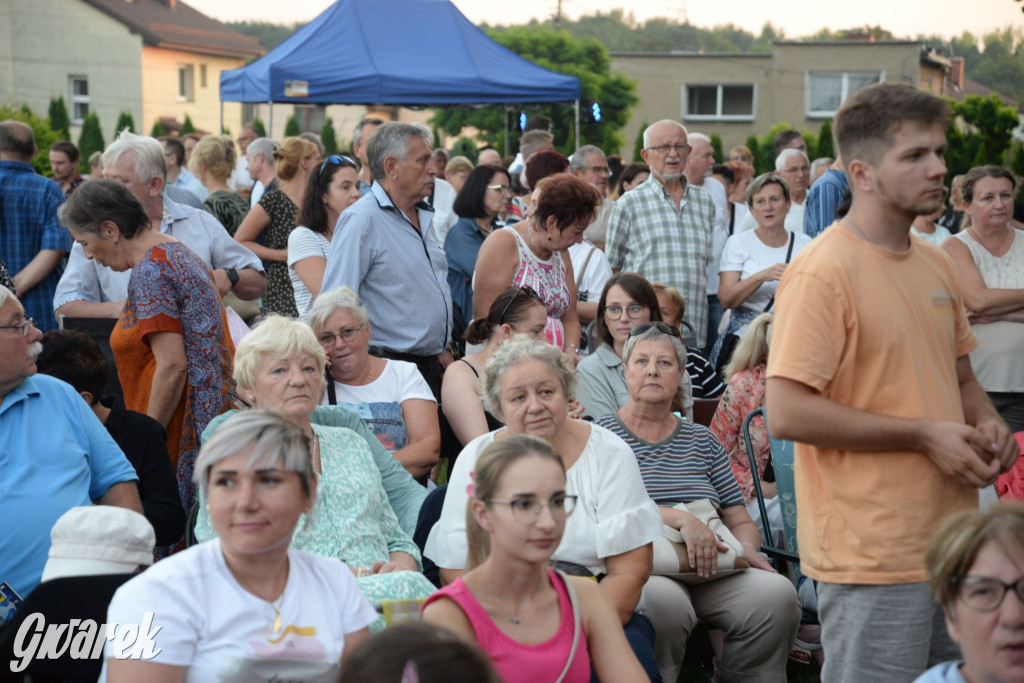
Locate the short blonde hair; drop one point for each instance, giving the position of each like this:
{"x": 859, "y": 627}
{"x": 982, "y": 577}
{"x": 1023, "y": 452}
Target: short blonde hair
{"x": 328, "y": 302}
{"x": 459, "y": 164}
{"x": 217, "y": 152}
{"x": 275, "y": 337}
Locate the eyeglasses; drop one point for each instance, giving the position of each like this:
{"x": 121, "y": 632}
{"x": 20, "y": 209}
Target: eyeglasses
{"x": 600, "y": 170}
{"x": 745, "y": 158}
{"x": 678, "y": 148}
{"x": 346, "y": 335}
{"x": 504, "y": 189}
{"x": 23, "y": 326}
{"x": 633, "y": 311}
{"x": 525, "y": 289}
{"x": 985, "y": 594}
{"x": 333, "y": 160}
{"x": 527, "y": 510}
{"x": 660, "y": 326}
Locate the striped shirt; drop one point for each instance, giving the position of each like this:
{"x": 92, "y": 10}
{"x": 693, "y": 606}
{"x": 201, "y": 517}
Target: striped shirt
{"x": 648, "y": 235}
{"x": 688, "y": 465}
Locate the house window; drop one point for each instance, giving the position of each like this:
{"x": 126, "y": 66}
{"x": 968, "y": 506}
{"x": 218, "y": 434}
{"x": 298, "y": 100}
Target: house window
{"x": 79, "y": 87}
{"x": 187, "y": 83}
{"x": 826, "y": 90}
{"x": 311, "y": 117}
{"x": 202, "y": 75}
{"x": 719, "y": 103}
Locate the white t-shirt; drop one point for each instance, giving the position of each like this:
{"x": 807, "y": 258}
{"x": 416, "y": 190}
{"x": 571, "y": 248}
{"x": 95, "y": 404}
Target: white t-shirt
{"x": 589, "y": 282}
{"x": 444, "y": 209}
{"x": 794, "y": 221}
{"x": 258, "y": 189}
{"x": 304, "y": 243}
{"x": 937, "y": 238}
{"x": 240, "y": 178}
{"x": 614, "y": 513}
{"x": 720, "y": 230}
{"x": 221, "y": 632}
{"x": 747, "y": 254}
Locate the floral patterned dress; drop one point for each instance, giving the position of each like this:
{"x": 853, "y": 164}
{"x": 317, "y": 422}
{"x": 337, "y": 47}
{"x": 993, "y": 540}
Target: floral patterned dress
{"x": 743, "y": 395}
{"x": 280, "y": 297}
{"x": 548, "y": 279}
{"x": 171, "y": 290}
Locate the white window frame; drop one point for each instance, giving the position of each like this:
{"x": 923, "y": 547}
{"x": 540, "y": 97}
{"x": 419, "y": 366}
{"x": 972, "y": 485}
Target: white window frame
{"x": 718, "y": 116}
{"x": 186, "y": 83}
{"x": 74, "y": 99}
{"x": 844, "y": 89}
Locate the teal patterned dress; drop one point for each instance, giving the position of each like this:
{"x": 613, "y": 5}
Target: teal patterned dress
{"x": 352, "y": 520}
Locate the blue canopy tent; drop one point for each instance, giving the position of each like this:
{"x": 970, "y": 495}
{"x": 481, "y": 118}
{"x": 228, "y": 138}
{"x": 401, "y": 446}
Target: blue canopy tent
{"x": 394, "y": 52}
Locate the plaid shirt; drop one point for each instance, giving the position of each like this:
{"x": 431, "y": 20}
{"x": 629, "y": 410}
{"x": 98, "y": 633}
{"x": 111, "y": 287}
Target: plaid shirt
{"x": 648, "y": 235}
{"x": 29, "y": 224}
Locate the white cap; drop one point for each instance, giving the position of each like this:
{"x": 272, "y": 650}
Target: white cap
{"x": 99, "y": 539}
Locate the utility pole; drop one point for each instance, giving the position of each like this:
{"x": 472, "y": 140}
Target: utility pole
{"x": 558, "y": 17}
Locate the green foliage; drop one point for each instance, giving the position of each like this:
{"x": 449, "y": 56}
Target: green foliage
{"x": 980, "y": 133}
{"x": 269, "y": 34}
{"x": 585, "y": 58}
{"x": 716, "y": 146}
{"x": 764, "y": 157}
{"x": 44, "y": 135}
{"x": 158, "y": 130}
{"x": 1016, "y": 156}
{"x": 124, "y": 120}
{"x": 291, "y": 127}
{"x": 826, "y": 146}
{"x": 755, "y": 150}
{"x": 638, "y": 145}
{"x": 257, "y": 125}
{"x": 328, "y": 137}
{"x": 464, "y": 146}
{"x": 59, "y": 121}
{"x": 90, "y": 140}
{"x": 188, "y": 126}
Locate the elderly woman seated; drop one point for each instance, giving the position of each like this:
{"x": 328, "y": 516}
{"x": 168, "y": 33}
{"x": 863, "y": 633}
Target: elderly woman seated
{"x": 390, "y": 395}
{"x": 279, "y": 366}
{"x": 681, "y": 462}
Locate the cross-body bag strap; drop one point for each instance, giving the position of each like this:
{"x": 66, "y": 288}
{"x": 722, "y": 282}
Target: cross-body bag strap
{"x": 577, "y": 627}
{"x": 583, "y": 270}
{"x": 789, "y": 254}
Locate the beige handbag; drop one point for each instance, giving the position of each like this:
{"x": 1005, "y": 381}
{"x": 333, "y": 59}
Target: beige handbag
{"x": 670, "y": 558}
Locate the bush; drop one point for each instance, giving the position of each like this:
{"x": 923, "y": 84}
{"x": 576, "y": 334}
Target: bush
{"x": 124, "y": 120}
{"x": 755, "y": 151}
{"x": 826, "y": 147}
{"x": 716, "y": 146}
{"x": 328, "y": 137}
{"x": 158, "y": 130}
{"x": 90, "y": 140}
{"x": 291, "y": 127}
{"x": 464, "y": 146}
{"x": 59, "y": 121}
{"x": 187, "y": 127}
{"x": 638, "y": 144}
{"x": 257, "y": 125}
{"x": 44, "y": 134}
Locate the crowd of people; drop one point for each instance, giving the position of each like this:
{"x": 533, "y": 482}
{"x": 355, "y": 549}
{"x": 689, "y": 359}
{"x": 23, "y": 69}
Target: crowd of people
{"x": 282, "y": 349}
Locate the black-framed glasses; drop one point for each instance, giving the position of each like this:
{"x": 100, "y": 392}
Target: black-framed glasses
{"x": 346, "y": 335}
{"x": 23, "y": 326}
{"x": 679, "y": 148}
{"x": 527, "y": 510}
{"x": 524, "y": 289}
{"x": 655, "y": 325}
{"x": 633, "y": 311}
{"x": 333, "y": 160}
{"x": 985, "y": 594}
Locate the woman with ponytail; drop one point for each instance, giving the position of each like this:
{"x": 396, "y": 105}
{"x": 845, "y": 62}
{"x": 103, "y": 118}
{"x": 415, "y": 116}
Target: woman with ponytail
{"x": 535, "y": 623}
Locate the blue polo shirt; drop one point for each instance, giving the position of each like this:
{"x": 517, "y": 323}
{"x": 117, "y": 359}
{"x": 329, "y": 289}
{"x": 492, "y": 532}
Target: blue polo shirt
{"x": 54, "y": 455}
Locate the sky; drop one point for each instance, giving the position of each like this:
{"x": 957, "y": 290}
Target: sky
{"x": 902, "y": 17}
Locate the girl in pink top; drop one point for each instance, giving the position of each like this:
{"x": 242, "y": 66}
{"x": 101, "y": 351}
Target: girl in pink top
{"x": 510, "y": 603}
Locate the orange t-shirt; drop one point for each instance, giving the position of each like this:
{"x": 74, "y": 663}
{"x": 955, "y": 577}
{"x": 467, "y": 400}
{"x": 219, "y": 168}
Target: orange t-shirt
{"x": 880, "y": 332}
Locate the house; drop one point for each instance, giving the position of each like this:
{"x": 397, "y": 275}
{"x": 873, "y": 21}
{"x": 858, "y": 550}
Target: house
{"x": 800, "y": 82}
{"x": 151, "y": 58}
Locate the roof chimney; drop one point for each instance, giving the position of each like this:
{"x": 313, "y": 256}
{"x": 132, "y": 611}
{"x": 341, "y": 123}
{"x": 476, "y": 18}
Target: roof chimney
{"x": 957, "y": 76}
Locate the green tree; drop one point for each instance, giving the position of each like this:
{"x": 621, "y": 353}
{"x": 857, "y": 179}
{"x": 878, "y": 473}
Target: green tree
{"x": 158, "y": 130}
{"x": 716, "y": 146}
{"x": 826, "y": 146}
{"x": 465, "y": 147}
{"x": 291, "y": 127}
{"x": 257, "y": 125}
{"x": 59, "y": 121}
{"x": 979, "y": 133}
{"x": 44, "y": 135}
{"x": 188, "y": 126}
{"x": 90, "y": 140}
{"x": 638, "y": 145}
{"x": 328, "y": 137}
{"x": 584, "y": 58}
{"x": 755, "y": 151}
{"x": 124, "y": 120}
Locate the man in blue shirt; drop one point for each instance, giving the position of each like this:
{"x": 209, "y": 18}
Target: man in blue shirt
{"x": 32, "y": 241}
{"x": 54, "y": 453}
{"x": 824, "y": 199}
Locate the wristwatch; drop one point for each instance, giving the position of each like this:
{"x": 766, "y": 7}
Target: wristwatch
{"x": 232, "y": 276}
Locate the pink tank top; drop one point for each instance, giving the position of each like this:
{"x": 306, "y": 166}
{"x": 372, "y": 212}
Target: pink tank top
{"x": 515, "y": 661}
{"x": 548, "y": 279}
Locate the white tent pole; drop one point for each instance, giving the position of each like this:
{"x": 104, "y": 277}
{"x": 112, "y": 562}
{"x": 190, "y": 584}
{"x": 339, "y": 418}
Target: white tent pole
{"x": 222, "y": 117}
{"x": 577, "y": 125}
{"x": 508, "y": 108}
{"x": 270, "y": 119}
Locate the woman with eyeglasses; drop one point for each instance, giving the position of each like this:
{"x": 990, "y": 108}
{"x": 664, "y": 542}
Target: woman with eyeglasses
{"x": 331, "y": 190}
{"x": 527, "y": 384}
{"x": 976, "y": 570}
{"x": 628, "y": 300}
{"x": 681, "y": 462}
{"x": 266, "y": 229}
{"x": 535, "y": 623}
{"x": 478, "y": 205}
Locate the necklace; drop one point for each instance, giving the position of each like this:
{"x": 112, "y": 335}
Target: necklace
{"x": 515, "y": 619}
{"x": 277, "y": 613}
{"x": 280, "y": 599}
{"x": 849, "y": 221}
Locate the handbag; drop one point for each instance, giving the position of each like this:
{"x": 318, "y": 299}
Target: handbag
{"x": 670, "y": 558}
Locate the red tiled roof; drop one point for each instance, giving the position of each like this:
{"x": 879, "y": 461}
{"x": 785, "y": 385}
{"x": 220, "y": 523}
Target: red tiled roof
{"x": 174, "y": 25}
{"x": 973, "y": 87}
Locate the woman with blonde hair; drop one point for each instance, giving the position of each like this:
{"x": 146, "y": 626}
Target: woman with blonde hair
{"x": 213, "y": 162}
{"x": 266, "y": 229}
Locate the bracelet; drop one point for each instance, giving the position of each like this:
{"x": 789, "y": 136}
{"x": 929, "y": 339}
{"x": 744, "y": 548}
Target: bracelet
{"x": 574, "y": 348}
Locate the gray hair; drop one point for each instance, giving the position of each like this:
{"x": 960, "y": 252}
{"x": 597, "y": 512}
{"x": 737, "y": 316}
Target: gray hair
{"x": 654, "y": 334}
{"x": 6, "y": 295}
{"x": 532, "y": 140}
{"x": 315, "y": 139}
{"x": 578, "y": 162}
{"x": 648, "y": 129}
{"x": 328, "y": 302}
{"x": 758, "y": 184}
{"x": 819, "y": 162}
{"x": 516, "y": 351}
{"x": 392, "y": 140}
{"x": 149, "y": 155}
{"x": 104, "y": 200}
{"x": 272, "y": 441}
{"x": 698, "y": 137}
{"x": 357, "y": 134}
{"x": 275, "y": 337}
{"x": 780, "y": 161}
{"x": 264, "y": 146}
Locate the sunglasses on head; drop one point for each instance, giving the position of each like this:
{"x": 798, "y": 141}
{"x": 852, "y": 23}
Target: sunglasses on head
{"x": 333, "y": 160}
{"x": 660, "y": 326}
{"x": 525, "y": 289}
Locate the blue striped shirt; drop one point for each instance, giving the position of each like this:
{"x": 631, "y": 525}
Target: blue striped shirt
{"x": 823, "y": 200}
{"x": 688, "y": 465}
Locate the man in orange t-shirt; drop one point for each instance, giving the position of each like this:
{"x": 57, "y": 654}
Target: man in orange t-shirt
{"x": 869, "y": 373}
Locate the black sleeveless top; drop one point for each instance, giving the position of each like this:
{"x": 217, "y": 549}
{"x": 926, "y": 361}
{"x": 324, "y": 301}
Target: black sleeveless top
{"x": 492, "y": 422}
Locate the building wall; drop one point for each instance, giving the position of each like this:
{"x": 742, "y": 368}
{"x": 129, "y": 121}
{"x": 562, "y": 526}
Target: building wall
{"x": 43, "y": 42}
{"x": 160, "y": 90}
